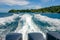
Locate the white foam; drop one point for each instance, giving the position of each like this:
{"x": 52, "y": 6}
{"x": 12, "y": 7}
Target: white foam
{"x": 9, "y": 19}
{"x": 55, "y": 23}
{"x": 28, "y": 27}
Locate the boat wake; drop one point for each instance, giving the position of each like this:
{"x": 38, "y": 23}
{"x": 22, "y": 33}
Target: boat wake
{"x": 28, "y": 26}
{"x": 35, "y": 23}
{"x": 52, "y": 24}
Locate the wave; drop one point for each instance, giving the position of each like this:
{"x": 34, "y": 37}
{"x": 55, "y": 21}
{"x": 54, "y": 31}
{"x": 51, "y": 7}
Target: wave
{"x": 54, "y": 23}
{"x": 28, "y": 26}
{"x": 9, "y": 19}
{"x": 6, "y": 21}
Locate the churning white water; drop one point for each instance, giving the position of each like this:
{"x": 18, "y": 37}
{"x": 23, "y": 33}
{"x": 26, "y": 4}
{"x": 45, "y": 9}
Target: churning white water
{"x": 28, "y": 26}
{"x": 54, "y": 23}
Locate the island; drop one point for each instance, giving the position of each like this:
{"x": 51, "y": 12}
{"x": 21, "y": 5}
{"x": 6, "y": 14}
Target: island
{"x": 52, "y": 9}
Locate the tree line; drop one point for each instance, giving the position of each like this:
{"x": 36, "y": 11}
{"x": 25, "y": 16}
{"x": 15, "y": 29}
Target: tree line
{"x": 53, "y": 9}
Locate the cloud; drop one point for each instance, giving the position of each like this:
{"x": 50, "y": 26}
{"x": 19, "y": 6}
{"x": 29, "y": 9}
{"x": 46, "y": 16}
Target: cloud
{"x": 33, "y": 6}
{"x": 15, "y": 2}
{"x": 47, "y": 0}
{"x": 37, "y": 7}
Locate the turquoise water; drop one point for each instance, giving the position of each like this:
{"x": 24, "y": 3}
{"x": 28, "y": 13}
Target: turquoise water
{"x": 50, "y": 15}
{"x": 5, "y": 14}
{"x": 12, "y": 25}
{"x": 45, "y": 21}
{"x": 40, "y": 23}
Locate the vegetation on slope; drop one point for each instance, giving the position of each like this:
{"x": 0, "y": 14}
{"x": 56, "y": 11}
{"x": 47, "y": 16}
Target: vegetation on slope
{"x": 52, "y": 9}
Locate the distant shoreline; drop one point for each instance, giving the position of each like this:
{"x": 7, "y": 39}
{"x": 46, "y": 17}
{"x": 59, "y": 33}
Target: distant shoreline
{"x": 52, "y": 9}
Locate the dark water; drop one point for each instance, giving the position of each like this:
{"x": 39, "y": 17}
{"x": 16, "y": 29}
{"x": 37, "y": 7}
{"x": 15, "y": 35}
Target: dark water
{"x": 52, "y": 15}
{"x": 5, "y": 14}
{"x": 12, "y": 25}
{"x": 37, "y": 22}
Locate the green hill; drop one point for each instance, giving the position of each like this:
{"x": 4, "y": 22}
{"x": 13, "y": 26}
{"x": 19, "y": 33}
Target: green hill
{"x": 52, "y": 9}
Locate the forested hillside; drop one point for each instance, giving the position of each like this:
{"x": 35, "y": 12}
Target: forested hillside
{"x": 53, "y": 9}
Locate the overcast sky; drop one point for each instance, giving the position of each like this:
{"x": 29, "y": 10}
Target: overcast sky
{"x": 6, "y": 5}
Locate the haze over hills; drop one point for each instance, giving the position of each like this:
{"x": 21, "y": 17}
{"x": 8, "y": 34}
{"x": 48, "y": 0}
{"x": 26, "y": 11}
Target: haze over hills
{"x": 52, "y": 9}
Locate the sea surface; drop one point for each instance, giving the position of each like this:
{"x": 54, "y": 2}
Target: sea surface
{"x": 9, "y": 22}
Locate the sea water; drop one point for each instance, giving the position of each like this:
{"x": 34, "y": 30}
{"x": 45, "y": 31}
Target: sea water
{"x": 11, "y": 22}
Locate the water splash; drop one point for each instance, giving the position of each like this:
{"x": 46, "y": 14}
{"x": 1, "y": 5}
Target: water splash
{"x": 54, "y": 23}
{"x": 3, "y": 22}
{"x": 28, "y": 26}
{"x": 9, "y": 19}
